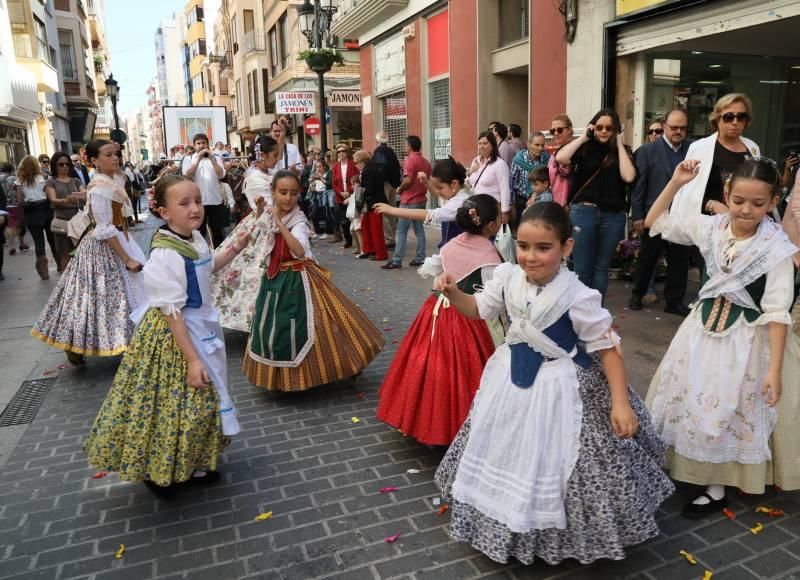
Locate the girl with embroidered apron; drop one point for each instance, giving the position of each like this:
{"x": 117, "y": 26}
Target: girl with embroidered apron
{"x": 168, "y": 413}
{"x": 715, "y": 393}
{"x": 558, "y": 458}
{"x": 435, "y": 374}
{"x": 447, "y": 183}
{"x": 235, "y": 286}
{"x": 305, "y": 332}
{"x": 88, "y": 313}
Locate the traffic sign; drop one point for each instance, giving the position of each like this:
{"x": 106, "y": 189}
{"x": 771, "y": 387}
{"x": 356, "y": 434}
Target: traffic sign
{"x": 312, "y": 126}
{"x": 328, "y": 115}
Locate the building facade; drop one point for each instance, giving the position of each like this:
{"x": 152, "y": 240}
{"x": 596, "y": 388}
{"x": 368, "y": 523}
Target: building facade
{"x": 196, "y": 52}
{"x": 170, "y": 39}
{"x": 426, "y": 63}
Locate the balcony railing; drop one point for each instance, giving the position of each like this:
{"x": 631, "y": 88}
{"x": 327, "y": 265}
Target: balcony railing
{"x": 254, "y": 41}
{"x": 225, "y": 60}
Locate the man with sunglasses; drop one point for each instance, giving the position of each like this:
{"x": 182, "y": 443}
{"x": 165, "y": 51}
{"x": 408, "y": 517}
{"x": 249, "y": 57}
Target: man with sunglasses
{"x": 655, "y": 163}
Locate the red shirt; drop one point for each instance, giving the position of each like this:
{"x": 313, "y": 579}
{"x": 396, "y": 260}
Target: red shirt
{"x": 416, "y": 193}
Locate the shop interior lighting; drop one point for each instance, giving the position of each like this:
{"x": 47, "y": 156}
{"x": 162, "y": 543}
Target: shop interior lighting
{"x": 697, "y": 52}
{"x": 715, "y": 66}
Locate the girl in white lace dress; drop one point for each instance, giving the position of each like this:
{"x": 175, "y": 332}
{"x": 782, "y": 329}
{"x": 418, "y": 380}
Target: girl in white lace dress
{"x": 715, "y": 395}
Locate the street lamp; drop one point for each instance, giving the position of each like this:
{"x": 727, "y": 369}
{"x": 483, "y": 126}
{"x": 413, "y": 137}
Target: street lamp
{"x": 112, "y": 90}
{"x": 315, "y": 25}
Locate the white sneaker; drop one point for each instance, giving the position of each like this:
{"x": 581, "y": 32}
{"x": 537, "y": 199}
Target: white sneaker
{"x": 323, "y": 237}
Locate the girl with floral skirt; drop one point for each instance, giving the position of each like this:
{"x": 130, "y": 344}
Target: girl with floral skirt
{"x": 435, "y": 374}
{"x": 168, "y": 413}
{"x": 717, "y": 398}
{"x": 88, "y": 313}
{"x": 305, "y": 332}
{"x": 558, "y": 458}
{"x": 235, "y": 286}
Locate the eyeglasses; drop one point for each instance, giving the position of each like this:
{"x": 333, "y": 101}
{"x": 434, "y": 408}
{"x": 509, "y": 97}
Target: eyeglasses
{"x": 603, "y": 128}
{"x": 741, "y": 117}
{"x": 557, "y": 130}
{"x": 76, "y": 160}
{"x": 63, "y": 164}
{"x": 655, "y": 131}
{"x": 677, "y": 128}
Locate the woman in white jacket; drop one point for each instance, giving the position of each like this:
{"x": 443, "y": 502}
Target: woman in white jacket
{"x": 719, "y": 155}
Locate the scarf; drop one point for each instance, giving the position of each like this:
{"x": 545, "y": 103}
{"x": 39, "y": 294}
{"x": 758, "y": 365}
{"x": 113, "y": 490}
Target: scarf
{"x": 466, "y": 253}
{"x": 109, "y": 188}
{"x": 269, "y": 228}
{"x": 167, "y": 242}
{"x": 769, "y": 247}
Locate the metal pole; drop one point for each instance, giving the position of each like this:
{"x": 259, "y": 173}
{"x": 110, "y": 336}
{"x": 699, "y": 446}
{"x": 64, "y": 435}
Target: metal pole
{"x": 322, "y": 124}
{"x": 114, "y": 108}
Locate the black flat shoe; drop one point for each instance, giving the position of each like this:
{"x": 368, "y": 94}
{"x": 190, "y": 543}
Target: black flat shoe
{"x": 160, "y": 491}
{"x": 364, "y": 256}
{"x": 635, "y": 303}
{"x": 695, "y": 511}
{"x": 207, "y": 479}
{"x": 415, "y": 263}
{"x": 391, "y": 266}
{"x": 677, "y": 308}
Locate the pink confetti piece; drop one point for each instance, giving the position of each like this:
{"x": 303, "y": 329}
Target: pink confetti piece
{"x": 394, "y": 341}
{"x": 388, "y": 489}
{"x": 392, "y": 539}
{"x": 100, "y": 475}
{"x": 387, "y": 329}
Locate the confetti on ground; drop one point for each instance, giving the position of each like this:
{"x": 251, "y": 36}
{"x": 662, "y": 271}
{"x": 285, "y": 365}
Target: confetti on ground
{"x": 120, "y": 552}
{"x": 772, "y": 512}
{"x": 776, "y": 488}
{"x": 360, "y": 395}
{"x": 658, "y": 318}
{"x": 442, "y": 509}
{"x": 688, "y": 556}
{"x": 757, "y": 529}
{"x": 436, "y": 501}
{"x": 392, "y": 539}
{"x": 412, "y": 471}
{"x": 355, "y": 420}
{"x": 264, "y": 516}
{"x": 394, "y": 341}
{"x": 729, "y": 514}
{"x": 387, "y": 329}
{"x": 388, "y": 489}
{"x": 385, "y": 320}
{"x": 99, "y": 474}
{"x": 707, "y": 575}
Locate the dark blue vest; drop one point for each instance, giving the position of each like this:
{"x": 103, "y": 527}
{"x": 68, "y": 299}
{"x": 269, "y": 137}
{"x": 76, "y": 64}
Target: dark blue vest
{"x": 449, "y": 231}
{"x": 193, "y": 297}
{"x": 525, "y": 361}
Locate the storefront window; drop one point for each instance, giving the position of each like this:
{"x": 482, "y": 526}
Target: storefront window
{"x": 440, "y": 117}
{"x": 694, "y": 80}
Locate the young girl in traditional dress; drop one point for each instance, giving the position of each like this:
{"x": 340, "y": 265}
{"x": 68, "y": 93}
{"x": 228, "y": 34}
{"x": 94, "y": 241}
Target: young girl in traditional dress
{"x": 235, "y": 286}
{"x": 168, "y": 412}
{"x": 305, "y": 332}
{"x": 88, "y": 313}
{"x": 714, "y": 395}
{"x": 429, "y": 388}
{"x": 558, "y": 458}
{"x": 447, "y": 182}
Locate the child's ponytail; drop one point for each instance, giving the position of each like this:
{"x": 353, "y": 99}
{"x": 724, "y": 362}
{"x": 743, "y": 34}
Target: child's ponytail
{"x": 477, "y": 212}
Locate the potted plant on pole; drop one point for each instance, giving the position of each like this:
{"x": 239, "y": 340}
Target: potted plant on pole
{"x": 321, "y": 59}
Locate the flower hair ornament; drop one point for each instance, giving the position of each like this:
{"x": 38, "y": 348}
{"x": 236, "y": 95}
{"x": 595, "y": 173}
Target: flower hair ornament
{"x": 473, "y": 214}
{"x": 151, "y": 199}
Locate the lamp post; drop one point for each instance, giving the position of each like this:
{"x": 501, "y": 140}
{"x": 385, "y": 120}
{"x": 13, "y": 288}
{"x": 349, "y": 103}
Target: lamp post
{"x": 315, "y": 24}
{"x": 112, "y": 89}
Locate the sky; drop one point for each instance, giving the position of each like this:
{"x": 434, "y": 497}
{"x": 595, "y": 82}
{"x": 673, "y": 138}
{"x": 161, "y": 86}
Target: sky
{"x": 130, "y": 29}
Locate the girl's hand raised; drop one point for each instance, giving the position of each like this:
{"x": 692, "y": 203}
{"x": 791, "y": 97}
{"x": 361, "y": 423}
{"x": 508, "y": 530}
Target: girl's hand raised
{"x": 771, "y": 389}
{"x": 444, "y": 283}
{"x": 686, "y": 171}
{"x": 623, "y": 421}
{"x": 242, "y": 240}
{"x": 198, "y": 375}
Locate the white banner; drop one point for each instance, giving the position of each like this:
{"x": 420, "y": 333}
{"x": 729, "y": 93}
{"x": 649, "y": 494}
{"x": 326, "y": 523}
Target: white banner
{"x": 295, "y": 103}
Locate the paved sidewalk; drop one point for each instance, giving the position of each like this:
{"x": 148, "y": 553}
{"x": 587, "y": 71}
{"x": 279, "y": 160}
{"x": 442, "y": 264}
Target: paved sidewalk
{"x": 302, "y": 457}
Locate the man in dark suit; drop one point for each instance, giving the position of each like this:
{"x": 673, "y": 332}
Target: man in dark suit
{"x": 79, "y": 170}
{"x": 655, "y": 163}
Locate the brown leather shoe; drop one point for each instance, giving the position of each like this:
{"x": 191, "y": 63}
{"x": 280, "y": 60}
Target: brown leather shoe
{"x": 41, "y": 267}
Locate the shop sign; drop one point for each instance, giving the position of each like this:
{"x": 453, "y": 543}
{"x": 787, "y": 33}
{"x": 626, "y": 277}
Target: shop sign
{"x": 345, "y": 98}
{"x": 627, "y": 6}
{"x": 312, "y": 126}
{"x": 295, "y": 103}
{"x": 441, "y": 143}
{"x": 390, "y": 64}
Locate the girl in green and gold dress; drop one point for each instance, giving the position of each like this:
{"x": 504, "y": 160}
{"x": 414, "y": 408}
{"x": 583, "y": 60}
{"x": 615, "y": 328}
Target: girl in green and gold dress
{"x": 168, "y": 413}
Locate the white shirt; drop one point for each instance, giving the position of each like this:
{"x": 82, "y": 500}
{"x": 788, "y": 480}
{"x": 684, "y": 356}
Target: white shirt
{"x": 493, "y": 178}
{"x": 293, "y": 154}
{"x": 447, "y": 213}
{"x": 205, "y": 177}
{"x": 33, "y": 193}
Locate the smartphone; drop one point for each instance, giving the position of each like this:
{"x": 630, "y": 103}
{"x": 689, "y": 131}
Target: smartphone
{"x": 590, "y": 134}
{"x": 792, "y": 154}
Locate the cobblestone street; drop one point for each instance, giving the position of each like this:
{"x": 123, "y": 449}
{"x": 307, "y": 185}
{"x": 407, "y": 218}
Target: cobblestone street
{"x": 305, "y": 458}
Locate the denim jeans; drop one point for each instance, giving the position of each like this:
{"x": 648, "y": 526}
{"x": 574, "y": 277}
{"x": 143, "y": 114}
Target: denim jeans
{"x": 402, "y": 234}
{"x": 597, "y": 234}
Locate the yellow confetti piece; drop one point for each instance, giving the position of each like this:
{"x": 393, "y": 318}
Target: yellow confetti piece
{"x": 120, "y": 552}
{"x": 355, "y": 420}
{"x": 762, "y": 509}
{"x": 707, "y": 575}
{"x": 264, "y": 516}
{"x": 688, "y": 556}
{"x": 757, "y": 529}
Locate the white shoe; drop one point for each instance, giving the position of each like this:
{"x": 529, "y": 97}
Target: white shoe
{"x": 323, "y": 237}
{"x": 314, "y": 236}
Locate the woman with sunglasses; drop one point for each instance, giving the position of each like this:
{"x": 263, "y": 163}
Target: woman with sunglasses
{"x": 654, "y": 131}
{"x": 602, "y": 169}
{"x": 719, "y": 154}
{"x": 66, "y": 195}
{"x": 561, "y": 132}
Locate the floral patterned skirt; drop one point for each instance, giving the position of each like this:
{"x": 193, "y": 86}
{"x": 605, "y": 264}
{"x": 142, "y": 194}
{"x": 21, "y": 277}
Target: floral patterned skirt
{"x": 90, "y": 307}
{"x": 612, "y": 494}
{"x": 235, "y": 287}
{"x": 152, "y": 425}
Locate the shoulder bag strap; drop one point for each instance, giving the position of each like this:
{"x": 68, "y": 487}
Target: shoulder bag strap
{"x": 588, "y": 182}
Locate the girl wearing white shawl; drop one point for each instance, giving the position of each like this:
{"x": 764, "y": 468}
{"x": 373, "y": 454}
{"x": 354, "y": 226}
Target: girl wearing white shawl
{"x": 88, "y": 313}
{"x": 554, "y": 461}
{"x": 715, "y": 395}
